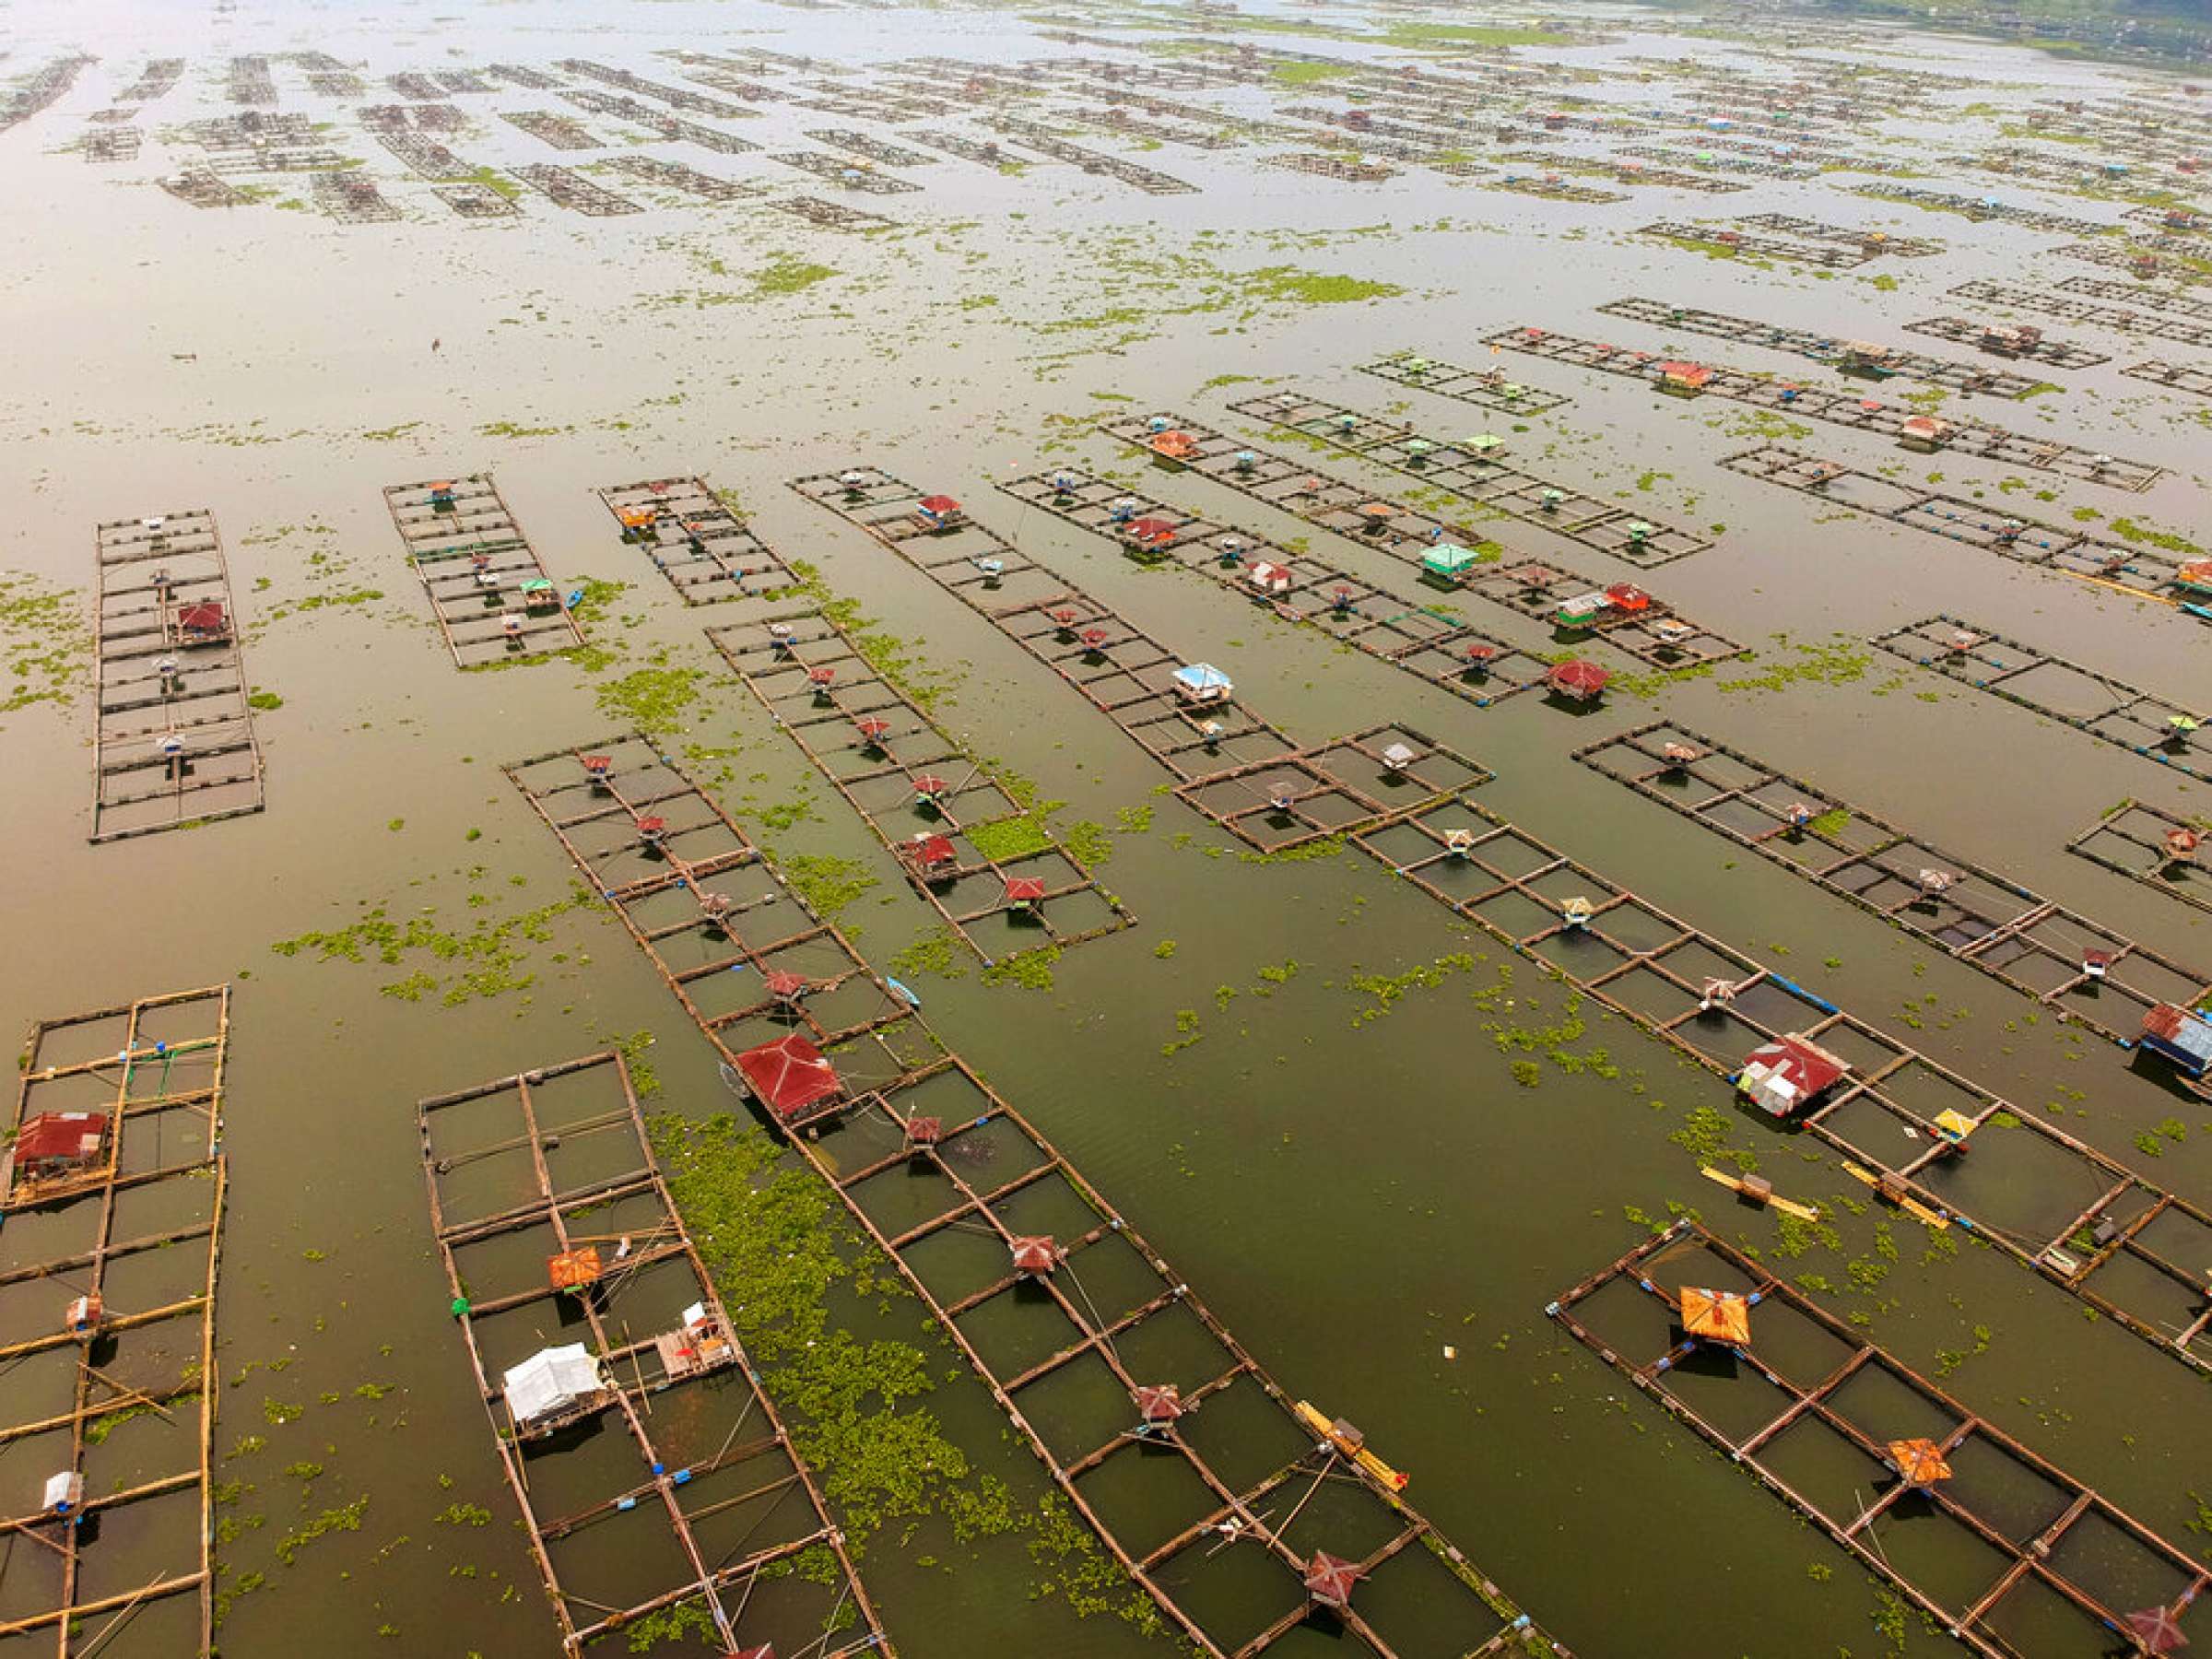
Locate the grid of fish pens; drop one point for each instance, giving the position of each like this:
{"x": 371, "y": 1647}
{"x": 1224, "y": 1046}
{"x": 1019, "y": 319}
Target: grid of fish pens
{"x": 352, "y": 199}
{"x": 2081, "y": 970}
{"x": 1636, "y": 621}
{"x": 1484, "y": 388}
{"x": 2196, "y": 306}
{"x": 2107, "y": 709}
{"x": 997, "y": 875}
{"x": 2182, "y": 331}
{"x": 174, "y": 743}
{"x": 2149, "y": 844}
{"x": 2143, "y": 570}
{"x": 1251, "y": 1519}
{"x": 650, "y": 1466}
{"x": 477, "y": 201}
{"x": 743, "y": 952}
{"x": 2197, "y": 383}
{"x": 1828, "y": 255}
{"x": 696, "y": 541}
{"x": 830, "y": 215}
{"x": 549, "y": 126}
{"x": 1828, "y": 348}
{"x": 845, "y": 172}
{"x": 2012, "y": 1555}
{"x": 1412, "y": 634}
{"x": 1962, "y": 434}
{"x": 565, "y": 187}
{"x": 675, "y": 175}
{"x": 1474, "y": 471}
{"x": 486, "y": 585}
{"x": 1901, "y": 1121}
{"x": 1231, "y": 763}
{"x": 113, "y": 1186}
{"x": 2059, "y": 354}
{"x": 1872, "y": 241}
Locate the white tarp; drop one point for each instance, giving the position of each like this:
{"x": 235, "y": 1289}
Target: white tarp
{"x": 551, "y": 1380}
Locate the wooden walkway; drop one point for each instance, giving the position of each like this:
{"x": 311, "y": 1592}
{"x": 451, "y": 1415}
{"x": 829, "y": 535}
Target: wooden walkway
{"x": 1646, "y": 627}
{"x": 2084, "y": 971}
{"x": 1961, "y": 434}
{"x": 2091, "y": 701}
{"x": 1002, "y": 881}
{"x": 1415, "y": 634}
{"x": 551, "y": 1174}
{"x": 486, "y": 585}
{"x": 2140, "y": 571}
{"x": 173, "y": 743}
{"x": 2182, "y": 331}
{"x": 2009, "y": 1553}
{"x": 135, "y": 1231}
{"x": 696, "y": 541}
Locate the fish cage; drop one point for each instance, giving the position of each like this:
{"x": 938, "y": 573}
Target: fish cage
{"x": 487, "y": 587}
{"x": 696, "y": 541}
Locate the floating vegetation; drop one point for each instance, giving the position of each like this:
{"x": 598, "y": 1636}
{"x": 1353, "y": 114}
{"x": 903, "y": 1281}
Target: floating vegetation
{"x": 44, "y": 643}
{"x": 489, "y": 956}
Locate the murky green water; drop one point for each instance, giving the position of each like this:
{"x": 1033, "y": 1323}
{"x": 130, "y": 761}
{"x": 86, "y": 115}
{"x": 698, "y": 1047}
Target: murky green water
{"x": 1354, "y": 1176}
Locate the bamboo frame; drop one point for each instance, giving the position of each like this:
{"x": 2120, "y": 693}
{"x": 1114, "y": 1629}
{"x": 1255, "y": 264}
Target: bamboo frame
{"x": 2059, "y": 354}
{"x": 712, "y": 914}
{"x": 1655, "y": 634}
{"x": 444, "y": 546}
{"x": 2131, "y": 719}
{"x": 706, "y": 551}
{"x": 1229, "y": 763}
{"x": 1983, "y": 917}
{"x": 1716, "y": 1003}
{"x": 1828, "y": 349}
{"x": 2183, "y": 331}
{"x": 1980, "y": 209}
{"x": 780, "y": 660}
{"x": 565, "y": 187}
{"x": 2197, "y": 307}
{"x": 2147, "y": 573}
{"x": 1829, "y": 1404}
{"x": 678, "y": 175}
{"x": 144, "y": 1161}
{"x": 689, "y": 1491}
{"x": 1393, "y": 628}
{"x": 2132, "y": 842}
{"x": 1964, "y": 434}
{"x": 159, "y": 684}
{"x": 1482, "y": 480}
{"x": 1828, "y": 255}
{"x": 2197, "y": 383}
{"x": 1484, "y": 388}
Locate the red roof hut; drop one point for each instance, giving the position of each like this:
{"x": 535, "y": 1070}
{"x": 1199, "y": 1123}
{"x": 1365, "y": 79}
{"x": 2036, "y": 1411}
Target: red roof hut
{"x": 1037, "y": 1254}
{"x": 1790, "y": 1073}
{"x": 789, "y": 1076}
{"x": 56, "y": 1143}
{"x": 1329, "y": 1580}
{"x": 1577, "y": 679}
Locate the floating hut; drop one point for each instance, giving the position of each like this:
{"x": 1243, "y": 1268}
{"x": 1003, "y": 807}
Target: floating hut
{"x": 1722, "y": 1316}
{"x": 553, "y": 1386}
{"x": 940, "y": 513}
{"x": 1201, "y": 683}
{"x": 1782, "y": 1076}
{"x": 1036, "y": 1256}
{"x": 1578, "y": 680}
{"x": 1924, "y": 433}
{"x": 1157, "y": 1406}
{"x": 1447, "y": 562}
{"x": 2178, "y": 1035}
{"x": 56, "y": 1145}
{"x": 1329, "y": 1580}
{"x": 1681, "y": 379}
{"x": 790, "y": 1078}
{"x": 1920, "y": 1462}
{"x": 930, "y": 853}
{"x": 1024, "y": 893}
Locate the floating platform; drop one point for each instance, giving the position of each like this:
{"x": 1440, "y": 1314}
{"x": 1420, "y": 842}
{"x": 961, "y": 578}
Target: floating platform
{"x": 709, "y": 909}
{"x": 1332, "y": 167}
{"x": 2149, "y": 844}
{"x": 1873, "y": 242}
{"x": 566, "y": 188}
{"x": 174, "y": 742}
{"x": 2059, "y": 354}
{"x": 2197, "y": 383}
{"x": 1046, "y": 142}
{"x": 2183, "y": 331}
{"x": 2090, "y": 702}
{"x": 562, "y": 132}
{"x": 1056, "y": 1302}
{"x": 486, "y": 585}
{"x": 2004, "y": 1550}
{"x": 677, "y": 175}
{"x": 2081, "y": 970}
{"x": 113, "y": 143}
{"x": 830, "y": 215}
{"x": 873, "y": 148}
{"x": 1413, "y": 634}
{"x": 1983, "y": 209}
{"x": 198, "y": 187}
{"x": 845, "y": 174}
{"x": 1845, "y": 355}
{"x": 2121, "y": 567}
{"x": 352, "y": 198}
{"x": 1230, "y": 764}
{"x": 425, "y": 158}
{"x": 713, "y": 1507}
{"x": 1958, "y": 434}
{"x": 1827, "y": 255}
{"x": 1643, "y": 626}
{"x": 1484, "y": 388}
{"x": 2133, "y": 258}
{"x": 992, "y": 869}
{"x": 1472, "y": 471}
{"x": 1899, "y": 1120}
{"x": 113, "y": 1252}
{"x": 984, "y": 152}
{"x": 705, "y": 550}
{"x": 477, "y": 201}
{"x": 2197, "y": 307}
{"x": 1554, "y": 189}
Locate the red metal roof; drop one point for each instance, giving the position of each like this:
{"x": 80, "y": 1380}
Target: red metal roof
{"x": 62, "y": 1138}
{"x": 1577, "y": 677}
{"x": 785, "y": 985}
{"x": 788, "y": 1075}
{"x": 938, "y": 506}
{"x": 1037, "y": 1254}
{"x": 1021, "y": 890}
{"x": 1329, "y": 1579}
{"x": 1151, "y": 532}
{"x": 930, "y": 850}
